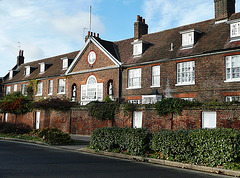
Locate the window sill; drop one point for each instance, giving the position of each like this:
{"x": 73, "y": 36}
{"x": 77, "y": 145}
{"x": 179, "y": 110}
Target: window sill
{"x": 184, "y": 84}
{"x": 50, "y": 94}
{"x": 229, "y": 81}
{"x": 61, "y": 93}
{"x": 133, "y": 88}
{"x": 38, "y": 95}
{"x": 157, "y": 86}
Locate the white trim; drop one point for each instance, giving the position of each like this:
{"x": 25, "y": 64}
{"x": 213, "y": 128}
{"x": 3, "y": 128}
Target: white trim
{"x": 156, "y": 86}
{"x": 93, "y": 70}
{"x": 130, "y": 88}
{"x": 183, "y": 84}
{"x": 234, "y": 80}
{"x": 221, "y": 21}
{"x": 93, "y": 40}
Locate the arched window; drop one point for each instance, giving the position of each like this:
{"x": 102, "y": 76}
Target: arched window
{"x": 92, "y": 91}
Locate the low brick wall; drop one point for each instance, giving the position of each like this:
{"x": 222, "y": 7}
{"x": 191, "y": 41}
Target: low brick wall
{"x": 77, "y": 120}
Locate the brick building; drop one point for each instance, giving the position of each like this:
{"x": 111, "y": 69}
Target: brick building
{"x": 198, "y": 61}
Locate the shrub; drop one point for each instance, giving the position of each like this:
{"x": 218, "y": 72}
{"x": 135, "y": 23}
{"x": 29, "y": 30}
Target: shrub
{"x": 210, "y": 147}
{"x": 135, "y": 141}
{"x": 10, "y": 128}
{"x": 54, "y": 136}
{"x": 15, "y": 103}
{"x": 54, "y": 104}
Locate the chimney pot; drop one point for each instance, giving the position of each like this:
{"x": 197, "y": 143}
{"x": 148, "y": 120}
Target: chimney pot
{"x": 91, "y": 33}
{"x": 88, "y": 33}
{"x": 138, "y": 18}
{"x": 98, "y": 35}
{"x": 140, "y": 28}
{"x": 94, "y": 34}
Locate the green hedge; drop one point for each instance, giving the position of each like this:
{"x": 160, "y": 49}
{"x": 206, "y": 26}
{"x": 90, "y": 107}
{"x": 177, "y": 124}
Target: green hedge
{"x": 134, "y": 141}
{"x": 210, "y": 147}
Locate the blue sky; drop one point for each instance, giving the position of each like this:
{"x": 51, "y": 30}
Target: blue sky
{"x": 47, "y": 28}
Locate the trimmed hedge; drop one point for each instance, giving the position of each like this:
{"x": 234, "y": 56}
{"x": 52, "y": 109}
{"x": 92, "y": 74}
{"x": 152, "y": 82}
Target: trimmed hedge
{"x": 210, "y": 147}
{"x": 134, "y": 141}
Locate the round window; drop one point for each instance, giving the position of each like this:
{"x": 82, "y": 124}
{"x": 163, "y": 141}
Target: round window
{"x": 91, "y": 57}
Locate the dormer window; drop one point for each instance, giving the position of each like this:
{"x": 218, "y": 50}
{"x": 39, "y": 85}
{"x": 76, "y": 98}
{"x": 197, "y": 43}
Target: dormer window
{"x": 29, "y": 70}
{"x": 235, "y": 31}
{"x": 189, "y": 38}
{"x": 137, "y": 48}
{"x": 66, "y": 62}
{"x": 42, "y": 67}
{"x": 10, "y": 74}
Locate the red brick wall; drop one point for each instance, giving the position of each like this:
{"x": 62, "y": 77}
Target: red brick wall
{"x": 209, "y": 80}
{"x": 77, "y": 121}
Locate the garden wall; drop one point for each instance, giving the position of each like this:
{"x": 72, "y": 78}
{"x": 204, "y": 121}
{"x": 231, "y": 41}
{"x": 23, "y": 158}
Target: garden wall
{"x": 77, "y": 120}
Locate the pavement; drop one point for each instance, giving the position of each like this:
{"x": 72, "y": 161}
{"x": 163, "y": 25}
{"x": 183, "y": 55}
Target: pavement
{"x": 82, "y": 141}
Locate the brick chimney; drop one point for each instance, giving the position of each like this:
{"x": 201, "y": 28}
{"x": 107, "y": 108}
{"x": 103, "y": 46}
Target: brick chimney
{"x": 224, "y": 9}
{"x": 20, "y": 58}
{"x": 140, "y": 28}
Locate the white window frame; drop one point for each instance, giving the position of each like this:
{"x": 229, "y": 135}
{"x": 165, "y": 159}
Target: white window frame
{"x": 24, "y": 89}
{"x": 156, "y": 76}
{"x": 8, "y": 90}
{"x": 61, "y": 86}
{"x": 230, "y": 68}
{"x": 232, "y": 98}
{"x": 188, "y": 99}
{"x": 92, "y": 91}
{"x": 134, "y": 78}
{"x": 42, "y": 67}
{"x": 28, "y": 70}
{"x": 92, "y": 57}
{"x": 137, "y": 48}
{"x": 235, "y": 30}
{"x": 50, "y": 87}
{"x": 39, "y": 89}
{"x": 10, "y": 74}
{"x": 186, "y": 73}
{"x": 135, "y": 101}
{"x": 65, "y": 63}
{"x": 15, "y": 88}
{"x": 188, "y": 40}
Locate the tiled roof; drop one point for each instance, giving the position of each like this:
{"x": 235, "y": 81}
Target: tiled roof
{"x": 214, "y": 37}
{"x": 55, "y": 69}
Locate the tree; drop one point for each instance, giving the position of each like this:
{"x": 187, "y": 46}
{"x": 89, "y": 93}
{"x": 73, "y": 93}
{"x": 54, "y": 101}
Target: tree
{"x": 15, "y": 103}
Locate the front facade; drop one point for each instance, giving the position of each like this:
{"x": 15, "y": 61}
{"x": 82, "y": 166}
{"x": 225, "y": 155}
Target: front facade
{"x": 199, "y": 61}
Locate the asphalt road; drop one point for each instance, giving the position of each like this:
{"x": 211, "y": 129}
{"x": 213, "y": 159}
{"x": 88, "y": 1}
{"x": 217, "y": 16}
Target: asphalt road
{"x": 28, "y": 160}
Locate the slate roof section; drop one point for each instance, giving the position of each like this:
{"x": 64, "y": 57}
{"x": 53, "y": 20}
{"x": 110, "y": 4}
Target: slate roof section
{"x": 214, "y": 37}
{"x": 55, "y": 69}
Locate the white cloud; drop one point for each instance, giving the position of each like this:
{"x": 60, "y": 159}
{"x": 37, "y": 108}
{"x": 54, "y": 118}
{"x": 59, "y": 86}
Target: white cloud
{"x": 45, "y": 28}
{"x": 161, "y": 14}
